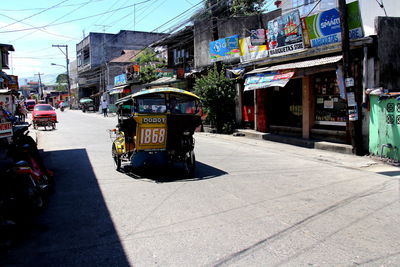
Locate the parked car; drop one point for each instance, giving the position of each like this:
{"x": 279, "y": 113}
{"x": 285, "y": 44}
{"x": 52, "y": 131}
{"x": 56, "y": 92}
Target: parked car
{"x": 30, "y": 104}
{"x": 44, "y": 115}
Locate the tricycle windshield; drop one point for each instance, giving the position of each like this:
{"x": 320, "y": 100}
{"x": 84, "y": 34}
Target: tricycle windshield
{"x": 154, "y": 103}
{"x": 183, "y": 104}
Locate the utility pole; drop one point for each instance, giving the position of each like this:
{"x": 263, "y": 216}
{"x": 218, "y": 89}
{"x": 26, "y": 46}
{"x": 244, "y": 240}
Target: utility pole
{"x": 352, "y": 106}
{"x": 67, "y": 63}
{"x": 40, "y": 85}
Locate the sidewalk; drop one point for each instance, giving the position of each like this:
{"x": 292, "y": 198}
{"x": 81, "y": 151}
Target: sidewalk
{"x": 308, "y": 143}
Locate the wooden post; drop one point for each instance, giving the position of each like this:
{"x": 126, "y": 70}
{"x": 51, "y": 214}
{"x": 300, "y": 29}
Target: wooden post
{"x": 354, "y": 121}
{"x": 308, "y": 106}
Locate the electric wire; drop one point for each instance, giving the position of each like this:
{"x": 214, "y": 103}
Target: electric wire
{"x": 69, "y": 21}
{"x": 67, "y": 14}
{"x": 94, "y": 23}
{"x": 41, "y": 8}
{"x": 55, "y": 34}
{"x": 34, "y": 14}
{"x": 382, "y": 6}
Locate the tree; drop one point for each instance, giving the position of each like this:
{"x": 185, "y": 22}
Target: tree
{"x": 217, "y": 94}
{"x": 246, "y": 7}
{"x": 148, "y": 62}
{"x": 228, "y": 8}
{"x": 62, "y": 78}
{"x": 62, "y": 81}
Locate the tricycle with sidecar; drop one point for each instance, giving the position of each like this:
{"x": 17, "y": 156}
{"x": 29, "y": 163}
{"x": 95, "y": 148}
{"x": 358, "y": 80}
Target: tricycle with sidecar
{"x": 156, "y": 127}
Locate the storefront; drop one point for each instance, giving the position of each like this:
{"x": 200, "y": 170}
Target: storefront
{"x": 308, "y": 102}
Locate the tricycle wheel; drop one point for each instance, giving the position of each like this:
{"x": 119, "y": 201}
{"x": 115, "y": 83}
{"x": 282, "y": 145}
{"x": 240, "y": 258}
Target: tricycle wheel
{"x": 189, "y": 163}
{"x": 54, "y": 125}
{"x": 116, "y": 157}
{"x": 35, "y": 126}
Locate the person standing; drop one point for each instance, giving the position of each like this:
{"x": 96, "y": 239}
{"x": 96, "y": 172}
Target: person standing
{"x": 104, "y": 107}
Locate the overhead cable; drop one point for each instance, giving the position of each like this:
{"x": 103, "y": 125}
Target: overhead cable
{"x": 34, "y": 14}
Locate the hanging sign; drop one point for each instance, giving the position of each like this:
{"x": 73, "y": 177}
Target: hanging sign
{"x": 249, "y": 52}
{"x": 120, "y": 80}
{"x": 285, "y": 35}
{"x": 257, "y": 37}
{"x": 225, "y": 48}
{"x": 265, "y": 80}
{"x": 324, "y": 28}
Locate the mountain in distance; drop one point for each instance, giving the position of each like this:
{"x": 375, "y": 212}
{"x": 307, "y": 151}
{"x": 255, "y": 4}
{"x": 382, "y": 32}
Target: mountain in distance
{"x": 46, "y": 79}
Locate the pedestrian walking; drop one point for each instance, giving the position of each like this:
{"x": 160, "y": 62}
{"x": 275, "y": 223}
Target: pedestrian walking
{"x": 104, "y": 107}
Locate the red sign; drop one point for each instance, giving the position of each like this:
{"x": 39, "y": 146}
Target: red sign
{"x": 180, "y": 73}
{"x": 5, "y": 129}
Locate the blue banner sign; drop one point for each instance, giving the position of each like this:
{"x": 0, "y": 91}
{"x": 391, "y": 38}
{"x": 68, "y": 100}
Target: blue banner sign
{"x": 225, "y": 48}
{"x": 120, "y": 80}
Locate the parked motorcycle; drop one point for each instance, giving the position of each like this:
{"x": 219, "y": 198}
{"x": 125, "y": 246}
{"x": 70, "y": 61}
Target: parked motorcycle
{"x": 24, "y": 148}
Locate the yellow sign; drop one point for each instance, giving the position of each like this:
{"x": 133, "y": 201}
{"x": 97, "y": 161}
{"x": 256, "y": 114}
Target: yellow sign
{"x": 151, "y": 133}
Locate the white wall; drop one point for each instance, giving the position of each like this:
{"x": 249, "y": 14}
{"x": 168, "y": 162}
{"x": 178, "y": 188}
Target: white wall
{"x": 370, "y": 9}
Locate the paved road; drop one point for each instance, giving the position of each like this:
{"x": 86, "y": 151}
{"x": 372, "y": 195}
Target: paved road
{"x": 251, "y": 203}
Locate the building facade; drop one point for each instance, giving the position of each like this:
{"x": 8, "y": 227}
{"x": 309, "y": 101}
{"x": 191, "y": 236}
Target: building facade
{"x": 95, "y": 52}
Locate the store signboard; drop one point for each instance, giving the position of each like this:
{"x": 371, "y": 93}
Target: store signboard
{"x": 265, "y": 80}
{"x": 249, "y": 52}
{"x": 324, "y": 28}
{"x": 120, "y": 80}
{"x": 285, "y": 35}
{"x": 225, "y": 48}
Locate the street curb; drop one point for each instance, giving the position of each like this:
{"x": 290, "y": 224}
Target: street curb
{"x": 307, "y": 143}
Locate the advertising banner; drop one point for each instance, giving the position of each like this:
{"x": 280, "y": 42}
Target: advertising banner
{"x": 265, "y": 80}
{"x": 285, "y": 34}
{"x": 324, "y": 28}
{"x": 257, "y": 37}
{"x": 249, "y": 52}
{"x": 12, "y": 84}
{"x": 225, "y": 48}
{"x": 120, "y": 80}
{"x": 165, "y": 73}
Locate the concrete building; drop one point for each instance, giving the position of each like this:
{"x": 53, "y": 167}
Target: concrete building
{"x": 311, "y": 103}
{"x": 95, "y": 52}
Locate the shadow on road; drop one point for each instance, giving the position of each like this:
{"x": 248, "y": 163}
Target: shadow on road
{"x": 390, "y": 173}
{"x": 75, "y": 229}
{"x": 174, "y": 174}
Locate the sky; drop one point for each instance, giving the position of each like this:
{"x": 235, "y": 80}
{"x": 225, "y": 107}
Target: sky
{"x": 30, "y": 26}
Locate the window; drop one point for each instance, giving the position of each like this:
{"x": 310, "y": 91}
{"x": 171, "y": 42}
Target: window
{"x": 183, "y": 104}
{"x": 151, "y": 104}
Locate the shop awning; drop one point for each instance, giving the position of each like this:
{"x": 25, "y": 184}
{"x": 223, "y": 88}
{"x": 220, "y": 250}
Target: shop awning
{"x": 164, "y": 81}
{"x": 269, "y": 79}
{"x": 119, "y": 90}
{"x": 298, "y": 65}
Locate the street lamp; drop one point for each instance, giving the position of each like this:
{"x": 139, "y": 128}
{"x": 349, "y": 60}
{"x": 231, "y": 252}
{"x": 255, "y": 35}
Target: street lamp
{"x": 67, "y": 62}
{"x": 54, "y": 64}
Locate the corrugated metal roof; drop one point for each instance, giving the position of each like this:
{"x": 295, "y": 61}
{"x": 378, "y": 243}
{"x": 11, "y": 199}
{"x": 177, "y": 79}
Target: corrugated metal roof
{"x": 126, "y": 56}
{"x": 299, "y": 65}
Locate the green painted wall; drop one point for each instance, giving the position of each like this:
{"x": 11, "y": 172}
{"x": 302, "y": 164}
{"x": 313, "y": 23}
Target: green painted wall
{"x": 384, "y": 127}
